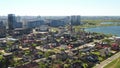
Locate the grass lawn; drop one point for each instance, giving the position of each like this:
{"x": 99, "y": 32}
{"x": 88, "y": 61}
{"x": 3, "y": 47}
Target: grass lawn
{"x": 114, "y": 64}
{"x": 98, "y": 53}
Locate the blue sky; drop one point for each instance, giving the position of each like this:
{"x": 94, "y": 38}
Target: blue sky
{"x": 61, "y": 7}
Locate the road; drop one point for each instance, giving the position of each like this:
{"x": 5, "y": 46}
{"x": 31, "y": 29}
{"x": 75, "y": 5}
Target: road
{"x": 107, "y": 61}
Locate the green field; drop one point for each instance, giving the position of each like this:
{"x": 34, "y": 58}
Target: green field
{"x": 114, "y": 64}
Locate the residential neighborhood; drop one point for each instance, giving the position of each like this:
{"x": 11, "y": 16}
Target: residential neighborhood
{"x": 53, "y": 49}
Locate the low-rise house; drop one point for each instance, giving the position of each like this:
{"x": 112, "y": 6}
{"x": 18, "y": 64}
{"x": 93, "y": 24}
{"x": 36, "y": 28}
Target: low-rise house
{"x": 77, "y": 65}
{"x": 115, "y": 46}
{"x": 63, "y": 56}
{"x": 91, "y": 59}
{"x": 102, "y": 45}
{"x": 29, "y": 65}
{"x": 14, "y": 48}
{"x": 105, "y": 52}
{"x": 26, "y": 58}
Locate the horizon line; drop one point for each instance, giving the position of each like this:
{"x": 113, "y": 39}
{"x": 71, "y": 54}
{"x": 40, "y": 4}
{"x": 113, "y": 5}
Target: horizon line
{"x": 60, "y": 15}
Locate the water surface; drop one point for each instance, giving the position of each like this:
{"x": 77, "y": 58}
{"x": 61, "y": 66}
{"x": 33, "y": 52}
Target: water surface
{"x": 115, "y": 30}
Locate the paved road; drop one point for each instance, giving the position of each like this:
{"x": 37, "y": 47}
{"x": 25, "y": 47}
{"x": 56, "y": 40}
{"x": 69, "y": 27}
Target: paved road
{"x": 107, "y": 61}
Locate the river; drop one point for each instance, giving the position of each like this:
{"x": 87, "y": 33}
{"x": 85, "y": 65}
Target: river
{"x": 114, "y": 30}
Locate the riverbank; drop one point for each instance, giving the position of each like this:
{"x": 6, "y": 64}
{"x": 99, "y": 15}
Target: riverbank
{"x": 94, "y": 26}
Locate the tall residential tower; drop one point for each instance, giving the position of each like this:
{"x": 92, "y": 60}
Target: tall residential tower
{"x": 75, "y": 20}
{"x": 11, "y": 21}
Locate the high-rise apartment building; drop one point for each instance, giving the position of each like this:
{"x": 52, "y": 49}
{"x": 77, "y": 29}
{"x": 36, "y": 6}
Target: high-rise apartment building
{"x": 11, "y": 21}
{"x": 2, "y": 29}
{"x": 75, "y": 20}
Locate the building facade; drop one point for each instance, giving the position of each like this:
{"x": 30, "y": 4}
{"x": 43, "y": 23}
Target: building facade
{"x": 57, "y": 23}
{"x": 33, "y": 24}
{"x": 2, "y": 30}
{"x": 11, "y": 21}
{"x": 75, "y": 20}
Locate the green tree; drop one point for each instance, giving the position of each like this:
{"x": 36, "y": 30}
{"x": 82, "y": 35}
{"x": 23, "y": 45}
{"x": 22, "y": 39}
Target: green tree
{"x": 108, "y": 41}
{"x": 34, "y": 45}
{"x": 47, "y": 54}
{"x": 42, "y": 65}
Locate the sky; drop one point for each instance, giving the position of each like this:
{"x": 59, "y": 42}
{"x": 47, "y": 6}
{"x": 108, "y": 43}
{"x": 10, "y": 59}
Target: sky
{"x": 60, "y": 7}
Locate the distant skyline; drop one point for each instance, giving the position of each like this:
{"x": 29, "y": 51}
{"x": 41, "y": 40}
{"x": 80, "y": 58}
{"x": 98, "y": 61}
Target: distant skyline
{"x": 60, "y": 7}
